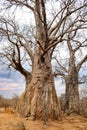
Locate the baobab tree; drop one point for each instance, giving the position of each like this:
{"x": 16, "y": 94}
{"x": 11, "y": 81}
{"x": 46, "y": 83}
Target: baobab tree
{"x": 70, "y": 72}
{"x": 39, "y": 101}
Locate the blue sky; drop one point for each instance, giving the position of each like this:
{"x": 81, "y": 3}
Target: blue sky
{"x": 11, "y": 84}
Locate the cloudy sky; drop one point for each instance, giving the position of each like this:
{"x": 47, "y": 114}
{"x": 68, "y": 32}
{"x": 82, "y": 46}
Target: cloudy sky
{"x": 11, "y": 83}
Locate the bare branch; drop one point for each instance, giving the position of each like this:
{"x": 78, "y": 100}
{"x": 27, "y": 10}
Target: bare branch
{"x": 19, "y": 3}
{"x": 81, "y": 62}
{"x": 61, "y": 66}
{"x": 68, "y": 13}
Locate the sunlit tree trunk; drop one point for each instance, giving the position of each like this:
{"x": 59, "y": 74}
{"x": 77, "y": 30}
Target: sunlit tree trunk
{"x": 39, "y": 101}
{"x": 44, "y": 103}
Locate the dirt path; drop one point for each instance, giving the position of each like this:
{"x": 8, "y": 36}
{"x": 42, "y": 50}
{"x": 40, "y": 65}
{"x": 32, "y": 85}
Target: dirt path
{"x": 67, "y": 123}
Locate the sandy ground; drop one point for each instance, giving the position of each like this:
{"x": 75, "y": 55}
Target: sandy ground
{"x": 67, "y": 123}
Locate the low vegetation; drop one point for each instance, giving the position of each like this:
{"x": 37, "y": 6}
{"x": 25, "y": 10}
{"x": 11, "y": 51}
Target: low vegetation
{"x": 9, "y": 103}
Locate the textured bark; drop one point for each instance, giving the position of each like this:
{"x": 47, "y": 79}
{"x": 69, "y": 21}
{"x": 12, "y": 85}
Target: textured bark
{"x": 72, "y": 93}
{"x": 40, "y": 100}
{"x": 24, "y": 104}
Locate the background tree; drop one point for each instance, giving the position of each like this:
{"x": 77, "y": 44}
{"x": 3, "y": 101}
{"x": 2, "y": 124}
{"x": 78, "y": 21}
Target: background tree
{"x": 69, "y": 70}
{"x": 39, "y": 101}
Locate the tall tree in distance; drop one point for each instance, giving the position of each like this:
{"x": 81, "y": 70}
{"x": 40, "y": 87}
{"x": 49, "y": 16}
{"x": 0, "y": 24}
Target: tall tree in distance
{"x": 70, "y": 72}
{"x": 39, "y": 101}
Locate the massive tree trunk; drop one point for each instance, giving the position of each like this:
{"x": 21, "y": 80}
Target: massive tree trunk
{"x": 39, "y": 100}
{"x": 72, "y": 93}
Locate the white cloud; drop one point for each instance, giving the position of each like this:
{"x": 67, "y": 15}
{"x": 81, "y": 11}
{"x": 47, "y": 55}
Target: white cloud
{"x": 10, "y": 86}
